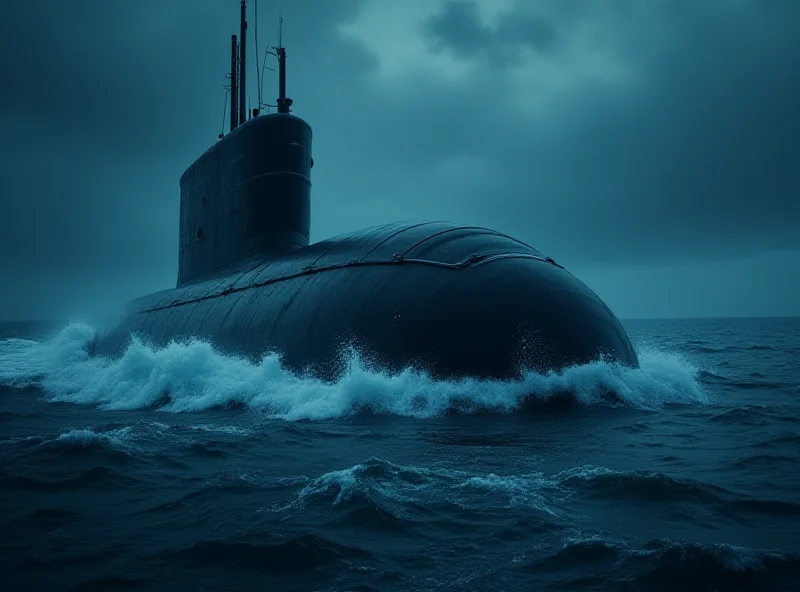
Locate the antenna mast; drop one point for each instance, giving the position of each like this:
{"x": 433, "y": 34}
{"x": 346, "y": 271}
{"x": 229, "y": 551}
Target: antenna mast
{"x": 258, "y": 69}
{"x": 283, "y": 102}
{"x": 243, "y": 64}
{"x": 234, "y": 82}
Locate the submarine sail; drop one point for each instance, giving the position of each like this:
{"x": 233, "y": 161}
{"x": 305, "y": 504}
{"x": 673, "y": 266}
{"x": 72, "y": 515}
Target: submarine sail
{"x": 451, "y": 300}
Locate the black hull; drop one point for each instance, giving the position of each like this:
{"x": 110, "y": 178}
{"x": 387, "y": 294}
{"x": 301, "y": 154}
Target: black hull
{"x": 449, "y": 300}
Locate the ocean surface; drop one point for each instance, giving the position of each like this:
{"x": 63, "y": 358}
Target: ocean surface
{"x": 182, "y": 469}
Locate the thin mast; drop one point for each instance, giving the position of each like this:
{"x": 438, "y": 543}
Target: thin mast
{"x": 234, "y": 95}
{"x": 282, "y": 106}
{"x": 283, "y": 102}
{"x": 243, "y": 64}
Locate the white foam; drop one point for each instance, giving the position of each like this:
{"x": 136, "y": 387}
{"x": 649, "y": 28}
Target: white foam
{"x": 119, "y": 439}
{"x": 374, "y": 477}
{"x": 521, "y": 490}
{"x": 377, "y": 478}
{"x": 196, "y": 377}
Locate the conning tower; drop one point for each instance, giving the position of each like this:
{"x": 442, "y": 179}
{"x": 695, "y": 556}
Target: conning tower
{"x": 248, "y": 195}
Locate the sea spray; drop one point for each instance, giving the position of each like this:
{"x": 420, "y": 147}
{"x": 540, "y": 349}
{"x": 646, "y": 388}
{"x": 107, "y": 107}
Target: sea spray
{"x": 193, "y": 376}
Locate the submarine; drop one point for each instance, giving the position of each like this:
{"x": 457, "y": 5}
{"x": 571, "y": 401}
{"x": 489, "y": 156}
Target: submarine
{"x": 452, "y": 301}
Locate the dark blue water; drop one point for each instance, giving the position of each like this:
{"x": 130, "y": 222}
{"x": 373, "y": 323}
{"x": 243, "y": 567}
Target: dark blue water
{"x": 182, "y": 469}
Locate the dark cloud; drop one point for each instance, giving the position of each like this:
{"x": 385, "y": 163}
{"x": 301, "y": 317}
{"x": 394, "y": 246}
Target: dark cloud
{"x": 616, "y": 133}
{"x": 121, "y": 78}
{"x": 693, "y": 155}
{"x": 106, "y": 104}
{"x": 459, "y": 28}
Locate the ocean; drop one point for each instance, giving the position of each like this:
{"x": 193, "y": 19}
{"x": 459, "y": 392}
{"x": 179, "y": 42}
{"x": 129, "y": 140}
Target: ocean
{"x": 182, "y": 469}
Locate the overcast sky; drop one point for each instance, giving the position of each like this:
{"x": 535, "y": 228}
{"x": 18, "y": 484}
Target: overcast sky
{"x": 652, "y": 147}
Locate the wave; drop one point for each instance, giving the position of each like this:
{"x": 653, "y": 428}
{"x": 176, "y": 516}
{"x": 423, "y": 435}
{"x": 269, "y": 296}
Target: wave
{"x": 639, "y": 485}
{"x": 699, "y": 347}
{"x": 409, "y": 493}
{"x": 665, "y": 564}
{"x": 192, "y": 376}
{"x": 132, "y": 443}
{"x": 400, "y": 495}
{"x": 114, "y": 444}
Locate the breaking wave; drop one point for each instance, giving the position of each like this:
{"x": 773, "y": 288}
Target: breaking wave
{"x": 192, "y": 376}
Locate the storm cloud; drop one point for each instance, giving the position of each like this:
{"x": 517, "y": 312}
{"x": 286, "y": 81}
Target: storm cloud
{"x": 629, "y": 140}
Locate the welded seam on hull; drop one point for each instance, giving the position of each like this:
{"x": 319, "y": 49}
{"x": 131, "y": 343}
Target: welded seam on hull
{"x": 230, "y": 310}
{"x": 394, "y": 234}
{"x": 244, "y": 314}
{"x": 204, "y": 313}
{"x": 213, "y": 274}
{"x": 254, "y": 310}
{"x": 251, "y": 269}
{"x": 359, "y": 234}
{"x": 470, "y": 261}
{"x": 290, "y": 173}
{"x": 188, "y": 318}
{"x": 445, "y": 231}
{"x": 213, "y": 285}
{"x": 487, "y": 231}
{"x": 516, "y": 256}
{"x": 291, "y": 300}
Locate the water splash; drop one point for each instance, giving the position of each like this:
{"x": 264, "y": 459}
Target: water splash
{"x": 192, "y": 376}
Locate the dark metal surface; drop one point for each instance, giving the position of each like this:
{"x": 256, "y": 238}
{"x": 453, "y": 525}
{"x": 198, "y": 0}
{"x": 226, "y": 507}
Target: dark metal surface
{"x": 451, "y": 300}
{"x": 250, "y": 193}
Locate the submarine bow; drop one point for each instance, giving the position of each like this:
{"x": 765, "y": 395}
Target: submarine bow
{"x": 451, "y": 300}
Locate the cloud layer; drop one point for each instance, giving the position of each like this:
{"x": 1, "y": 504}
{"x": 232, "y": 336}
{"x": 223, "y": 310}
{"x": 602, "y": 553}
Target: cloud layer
{"x": 604, "y": 133}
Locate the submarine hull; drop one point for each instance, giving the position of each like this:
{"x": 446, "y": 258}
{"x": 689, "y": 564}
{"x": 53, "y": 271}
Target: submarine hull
{"x": 452, "y": 301}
